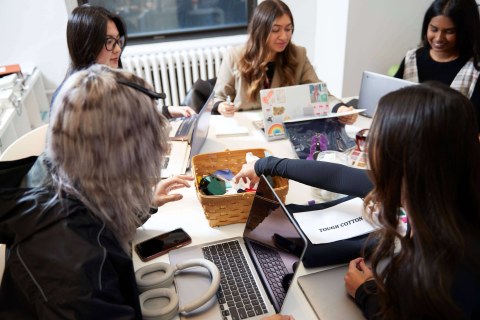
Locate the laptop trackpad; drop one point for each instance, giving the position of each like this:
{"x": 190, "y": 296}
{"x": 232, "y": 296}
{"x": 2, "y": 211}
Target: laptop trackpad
{"x": 191, "y": 284}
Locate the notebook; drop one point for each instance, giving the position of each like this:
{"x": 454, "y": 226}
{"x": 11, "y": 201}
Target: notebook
{"x": 270, "y": 233}
{"x": 373, "y": 87}
{"x": 182, "y": 150}
{"x": 326, "y": 293}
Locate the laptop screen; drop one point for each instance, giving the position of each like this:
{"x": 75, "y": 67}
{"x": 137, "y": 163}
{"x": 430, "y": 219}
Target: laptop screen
{"x": 374, "y": 86}
{"x": 270, "y": 225}
{"x": 201, "y": 129}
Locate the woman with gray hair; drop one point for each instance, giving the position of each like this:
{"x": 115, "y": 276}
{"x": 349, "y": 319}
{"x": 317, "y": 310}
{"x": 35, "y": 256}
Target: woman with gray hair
{"x": 69, "y": 253}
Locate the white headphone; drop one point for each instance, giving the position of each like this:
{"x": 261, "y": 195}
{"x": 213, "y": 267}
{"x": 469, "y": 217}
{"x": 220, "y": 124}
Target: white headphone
{"x": 158, "y": 287}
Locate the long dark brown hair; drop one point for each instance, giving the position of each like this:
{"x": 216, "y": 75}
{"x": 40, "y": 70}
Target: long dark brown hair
{"x": 424, "y": 155}
{"x": 86, "y": 32}
{"x": 253, "y": 63}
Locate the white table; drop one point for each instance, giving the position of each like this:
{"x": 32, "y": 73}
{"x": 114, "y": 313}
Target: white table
{"x": 188, "y": 213}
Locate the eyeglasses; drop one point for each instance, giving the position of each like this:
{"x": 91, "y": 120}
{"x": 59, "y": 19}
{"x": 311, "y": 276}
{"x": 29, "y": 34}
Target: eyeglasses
{"x": 111, "y": 42}
{"x": 148, "y": 92}
{"x": 361, "y": 139}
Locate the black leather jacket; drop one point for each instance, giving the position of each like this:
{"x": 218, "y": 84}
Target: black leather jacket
{"x": 62, "y": 262}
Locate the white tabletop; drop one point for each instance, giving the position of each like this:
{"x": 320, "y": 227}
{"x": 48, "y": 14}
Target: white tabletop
{"x": 188, "y": 213}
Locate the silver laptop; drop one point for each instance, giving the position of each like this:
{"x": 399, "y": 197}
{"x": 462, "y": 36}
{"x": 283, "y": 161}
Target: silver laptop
{"x": 373, "y": 87}
{"x": 256, "y": 269}
{"x": 326, "y": 293}
{"x": 182, "y": 150}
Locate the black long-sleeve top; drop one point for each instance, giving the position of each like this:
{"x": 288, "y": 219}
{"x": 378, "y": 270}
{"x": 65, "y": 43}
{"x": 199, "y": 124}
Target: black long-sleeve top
{"x": 355, "y": 182}
{"x": 333, "y": 177}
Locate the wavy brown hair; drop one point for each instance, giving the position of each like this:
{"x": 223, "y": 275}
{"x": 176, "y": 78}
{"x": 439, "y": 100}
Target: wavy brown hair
{"x": 424, "y": 155}
{"x": 253, "y": 63}
{"x": 106, "y": 143}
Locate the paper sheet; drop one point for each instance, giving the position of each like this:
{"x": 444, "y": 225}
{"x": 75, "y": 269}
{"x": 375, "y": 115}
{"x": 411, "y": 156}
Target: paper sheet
{"x": 336, "y": 223}
{"x": 230, "y": 127}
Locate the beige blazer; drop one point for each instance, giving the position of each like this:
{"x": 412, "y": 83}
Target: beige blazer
{"x": 230, "y": 83}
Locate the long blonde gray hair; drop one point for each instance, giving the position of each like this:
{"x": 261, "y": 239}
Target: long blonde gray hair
{"x": 106, "y": 143}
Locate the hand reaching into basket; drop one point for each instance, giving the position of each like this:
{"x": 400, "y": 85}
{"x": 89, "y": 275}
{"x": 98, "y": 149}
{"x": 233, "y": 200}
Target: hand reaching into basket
{"x": 162, "y": 191}
{"x": 247, "y": 174}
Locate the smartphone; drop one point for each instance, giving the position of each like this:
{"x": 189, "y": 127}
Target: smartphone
{"x": 161, "y": 244}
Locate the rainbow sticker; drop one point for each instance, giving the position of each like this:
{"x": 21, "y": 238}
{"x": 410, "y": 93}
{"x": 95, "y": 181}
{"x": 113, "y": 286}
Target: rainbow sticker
{"x": 276, "y": 129}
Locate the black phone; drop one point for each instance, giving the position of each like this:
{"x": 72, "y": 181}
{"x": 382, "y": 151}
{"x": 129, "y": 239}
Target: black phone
{"x": 161, "y": 244}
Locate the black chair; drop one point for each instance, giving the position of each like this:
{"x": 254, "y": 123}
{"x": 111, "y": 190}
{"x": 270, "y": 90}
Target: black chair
{"x": 199, "y": 93}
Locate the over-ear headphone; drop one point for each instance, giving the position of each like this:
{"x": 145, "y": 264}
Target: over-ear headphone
{"x": 158, "y": 287}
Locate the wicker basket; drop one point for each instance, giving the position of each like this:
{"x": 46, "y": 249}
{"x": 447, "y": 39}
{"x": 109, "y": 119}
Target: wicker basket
{"x": 230, "y": 208}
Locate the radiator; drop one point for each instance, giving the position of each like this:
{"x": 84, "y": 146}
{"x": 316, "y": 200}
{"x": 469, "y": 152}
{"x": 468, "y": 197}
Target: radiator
{"x": 174, "y": 70}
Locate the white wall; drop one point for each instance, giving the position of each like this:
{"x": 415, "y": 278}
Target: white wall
{"x": 345, "y": 37}
{"x": 32, "y": 33}
{"x": 342, "y": 37}
{"x": 379, "y": 33}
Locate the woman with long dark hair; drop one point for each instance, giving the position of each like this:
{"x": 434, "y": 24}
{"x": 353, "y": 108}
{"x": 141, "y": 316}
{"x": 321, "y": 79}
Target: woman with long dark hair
{"x": 450, "y": 49}
{"x": 427, "y": 163}
{"x": 98, "y": 36}
{"x": 424, "y": 159}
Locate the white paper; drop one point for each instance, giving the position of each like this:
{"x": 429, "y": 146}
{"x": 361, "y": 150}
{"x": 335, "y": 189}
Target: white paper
{"x": 336, "y": 223}
{"x": 230, "y": 127}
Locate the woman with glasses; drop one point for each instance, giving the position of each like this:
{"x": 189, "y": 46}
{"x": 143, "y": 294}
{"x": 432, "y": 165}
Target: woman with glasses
{"x": 96, "y": 35}
{"x": 424, "y": 162}
{"x": 268, "y": 60}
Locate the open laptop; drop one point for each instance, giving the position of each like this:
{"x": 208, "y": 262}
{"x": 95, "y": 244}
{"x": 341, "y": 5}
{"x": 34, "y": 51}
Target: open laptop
{"x": 326, "y": 293}
{"x": 373, "y": 87}
{"x": 181, "y": 151}
{"x": 291, "y": 102}
{"x": 253, "y": 287}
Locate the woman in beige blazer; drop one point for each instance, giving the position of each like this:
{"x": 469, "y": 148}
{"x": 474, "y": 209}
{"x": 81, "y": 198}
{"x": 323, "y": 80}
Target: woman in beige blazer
{"x": 268, "y": 60}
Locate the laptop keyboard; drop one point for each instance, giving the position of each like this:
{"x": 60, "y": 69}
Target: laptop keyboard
{"x": 275, "y": 269}
{"x": 238, "y": 295}
{"x": 183, "y": 125}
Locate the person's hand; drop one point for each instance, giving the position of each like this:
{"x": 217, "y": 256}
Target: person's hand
{"x": 247, "y": 173}
{"x": 358, "y": 272}
{"x": 347, "y": 119}
{"x": 226, "y": 109}
{"x": 181, "y": 111}
{"x": 162, "y": 190}
{"x": 279, "y": 317}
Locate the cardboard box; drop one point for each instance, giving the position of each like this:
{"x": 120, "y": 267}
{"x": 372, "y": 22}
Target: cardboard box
{"x": 12, "y": 68}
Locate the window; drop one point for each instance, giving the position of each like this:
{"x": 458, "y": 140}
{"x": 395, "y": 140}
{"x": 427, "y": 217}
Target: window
{"x": 180, "y": 19}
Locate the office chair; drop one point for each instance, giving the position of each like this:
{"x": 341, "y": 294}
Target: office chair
{"x": 199, "y": 94}
{"x": 30, "y": 144}
{"x": 2, "y": 260}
